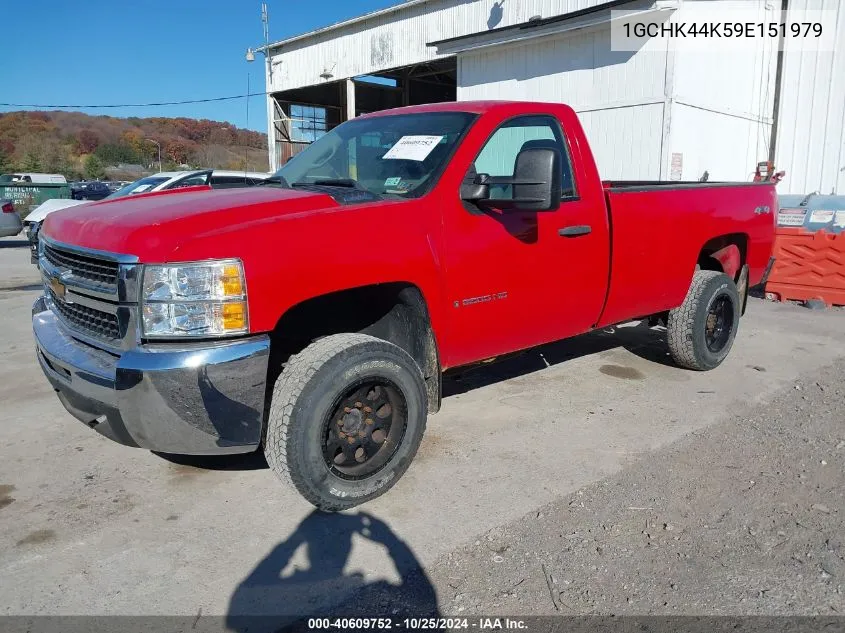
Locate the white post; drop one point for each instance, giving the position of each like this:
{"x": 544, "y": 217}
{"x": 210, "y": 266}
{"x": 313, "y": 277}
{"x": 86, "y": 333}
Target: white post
{"x": 350, "y": 99}
{"x": 271, "y": 130}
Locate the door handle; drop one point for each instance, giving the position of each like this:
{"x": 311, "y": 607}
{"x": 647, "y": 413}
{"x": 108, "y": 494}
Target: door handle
{"x": 575, "y": 230}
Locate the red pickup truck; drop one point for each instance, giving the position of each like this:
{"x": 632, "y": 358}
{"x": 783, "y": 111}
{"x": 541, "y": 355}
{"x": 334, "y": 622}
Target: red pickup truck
{"x": 312, "y": 317}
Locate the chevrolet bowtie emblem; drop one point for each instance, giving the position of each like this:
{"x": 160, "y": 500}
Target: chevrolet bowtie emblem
{"x": 58, "y": 288}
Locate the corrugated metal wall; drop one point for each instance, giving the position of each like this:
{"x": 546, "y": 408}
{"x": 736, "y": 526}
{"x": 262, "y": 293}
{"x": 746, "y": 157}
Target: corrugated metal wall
{"x": 650, "y": 114}
{"x": 810, "y": 144}
{"x": 726, "y": 147}
{"x": 619, "y": 95}
{"x": 722, "y": 100}
{"x": 399, "y": 38}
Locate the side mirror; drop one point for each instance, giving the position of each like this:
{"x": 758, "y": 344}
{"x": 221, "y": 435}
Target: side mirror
{"x": 536, "y": 180}
{"x": 475, "y": 189}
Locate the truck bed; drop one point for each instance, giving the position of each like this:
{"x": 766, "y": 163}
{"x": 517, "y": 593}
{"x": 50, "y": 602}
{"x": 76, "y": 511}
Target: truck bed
{"x": 647, "y": 185}
{"x": 658, "y": 229}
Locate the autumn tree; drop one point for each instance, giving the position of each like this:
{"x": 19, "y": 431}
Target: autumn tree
{"x": 93, "y": 168}
{"x": 56, "y": 162}
{"x": 135, "y": 139}
{"x": 7, "y": 148}
{"x": 5, "y": 164}
{"x": 87, "y": 141}
{"x": 237, "y": 164}
{"x": 115, "y": 153}
{"x": 176, "y": 150}
{"x": 61, "y": 141}
{"x": 31, "y": 162}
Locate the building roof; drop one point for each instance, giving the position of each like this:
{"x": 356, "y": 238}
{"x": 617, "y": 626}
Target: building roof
{"x": 534, "y": 23}
{"x": 475, "y": 107}
{"x": 339, "y": 25}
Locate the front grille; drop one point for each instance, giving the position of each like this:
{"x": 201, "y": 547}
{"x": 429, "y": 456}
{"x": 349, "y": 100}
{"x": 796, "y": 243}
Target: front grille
{"x": 89, "y": 320}
{"x": 101, "y": 272}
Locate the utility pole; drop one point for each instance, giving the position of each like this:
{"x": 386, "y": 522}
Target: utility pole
{"x": 268, "y": 62}
{"x": 159, "y": 152}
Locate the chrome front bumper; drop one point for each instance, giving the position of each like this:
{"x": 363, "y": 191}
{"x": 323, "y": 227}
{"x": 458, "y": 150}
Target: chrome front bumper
{"x": 200, "y": 398}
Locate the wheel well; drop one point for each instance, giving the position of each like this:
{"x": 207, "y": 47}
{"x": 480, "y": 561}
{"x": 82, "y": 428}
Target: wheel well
{"x": 725, "y": 254}
{"x": 394, "y": 312}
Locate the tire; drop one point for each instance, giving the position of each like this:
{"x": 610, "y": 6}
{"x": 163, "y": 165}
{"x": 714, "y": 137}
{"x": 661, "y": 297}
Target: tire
{"x": 307, "y": 403}
{"x": 691, "y": 343}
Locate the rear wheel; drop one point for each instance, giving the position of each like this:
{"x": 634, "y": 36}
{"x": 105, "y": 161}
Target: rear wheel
{"x": 346, "y": 419}
{"x": 701, "y": 331}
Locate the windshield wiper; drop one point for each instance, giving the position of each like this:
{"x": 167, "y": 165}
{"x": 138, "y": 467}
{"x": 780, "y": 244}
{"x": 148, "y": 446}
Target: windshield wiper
{"x": 359, "y": 192}
{"x": 330, "y": 182}
{"x": 273, "y": 181}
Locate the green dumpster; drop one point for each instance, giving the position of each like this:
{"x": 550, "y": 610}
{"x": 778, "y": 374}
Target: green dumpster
{"x": 28, "y": 195}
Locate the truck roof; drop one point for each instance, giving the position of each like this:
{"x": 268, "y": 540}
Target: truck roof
{"x": 476, "y": 107}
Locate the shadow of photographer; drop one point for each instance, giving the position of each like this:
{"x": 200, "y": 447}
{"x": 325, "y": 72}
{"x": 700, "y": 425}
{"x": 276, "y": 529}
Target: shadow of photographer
{"x": 283, "y": 590}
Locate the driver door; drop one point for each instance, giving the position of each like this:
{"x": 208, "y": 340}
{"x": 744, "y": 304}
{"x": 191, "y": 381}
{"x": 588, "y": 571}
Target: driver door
{"x": 515, "y": 278}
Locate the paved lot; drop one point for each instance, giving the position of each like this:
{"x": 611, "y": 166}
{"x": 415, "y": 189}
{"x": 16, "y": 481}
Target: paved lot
{"x": 90, "y": 527}
{"x": 746, "y": 517}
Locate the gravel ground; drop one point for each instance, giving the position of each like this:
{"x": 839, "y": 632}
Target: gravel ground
{"x": 744, "y": 518}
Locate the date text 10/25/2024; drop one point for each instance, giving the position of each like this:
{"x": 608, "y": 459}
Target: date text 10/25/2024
{"x": 432, "y": 624}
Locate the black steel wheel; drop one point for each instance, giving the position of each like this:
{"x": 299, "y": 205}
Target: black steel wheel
{"x": 364, "y": 429}
{"x": 719, "y": 323}
{"x": 701, "y": 331}
{"x": 347, "y": 416}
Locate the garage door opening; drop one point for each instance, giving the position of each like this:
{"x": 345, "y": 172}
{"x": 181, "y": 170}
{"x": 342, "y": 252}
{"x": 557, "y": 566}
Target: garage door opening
{"x": 303, "y": 115}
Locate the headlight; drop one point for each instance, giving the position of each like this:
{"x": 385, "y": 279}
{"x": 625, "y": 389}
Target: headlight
{"x": 199, "y": 299}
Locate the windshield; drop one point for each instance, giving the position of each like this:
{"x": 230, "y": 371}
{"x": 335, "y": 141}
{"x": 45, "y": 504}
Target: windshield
{"x": 400, "y": 155}
{"x": 139, "y": 186}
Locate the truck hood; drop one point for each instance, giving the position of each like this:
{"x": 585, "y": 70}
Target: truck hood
{"x": 153, "y": 227}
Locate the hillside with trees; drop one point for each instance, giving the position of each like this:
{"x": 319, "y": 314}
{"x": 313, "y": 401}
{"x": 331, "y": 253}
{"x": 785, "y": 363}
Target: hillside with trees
{"x": 83, "y": 146}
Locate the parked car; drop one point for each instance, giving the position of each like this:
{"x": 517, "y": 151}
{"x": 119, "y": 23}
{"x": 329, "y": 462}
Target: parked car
{"x": 32, "y": 177}
{"x": 114, "y": 185}
{"x": 230, "y": 179}
{"x": 313, "y": 317}
{"x": 216, "y": 178}
{"x": 32, "y": 222}
{"x": 10, "y": 219}
{"x": 164, "y": 181}
{"x": 159, "y": 182}
{"x": 94, "y": 190}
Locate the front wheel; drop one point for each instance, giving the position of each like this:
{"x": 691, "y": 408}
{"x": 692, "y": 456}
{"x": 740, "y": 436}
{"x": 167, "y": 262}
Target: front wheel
{"x": 347, "y": 416}
{"x": 702, "y": 329}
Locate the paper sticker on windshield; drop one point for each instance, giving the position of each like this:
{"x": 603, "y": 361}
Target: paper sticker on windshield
{"x": 141, "y": 188}
{"x": 392, "y": 182}
{"x": 412, "y": 148}
{"x": 791, "y": 217}
{"x": 839, "y": 220}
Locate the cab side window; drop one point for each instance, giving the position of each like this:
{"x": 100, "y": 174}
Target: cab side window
{"x": 497, "y": 158}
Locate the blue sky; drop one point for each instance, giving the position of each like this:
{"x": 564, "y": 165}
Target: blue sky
{"x": 140, "y": 51}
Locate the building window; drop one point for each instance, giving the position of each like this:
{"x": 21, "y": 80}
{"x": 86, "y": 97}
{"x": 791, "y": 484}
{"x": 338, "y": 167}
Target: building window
{"x": 308, "y": 123}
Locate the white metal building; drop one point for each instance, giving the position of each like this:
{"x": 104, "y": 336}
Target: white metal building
{"x": 659, "y": 112}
